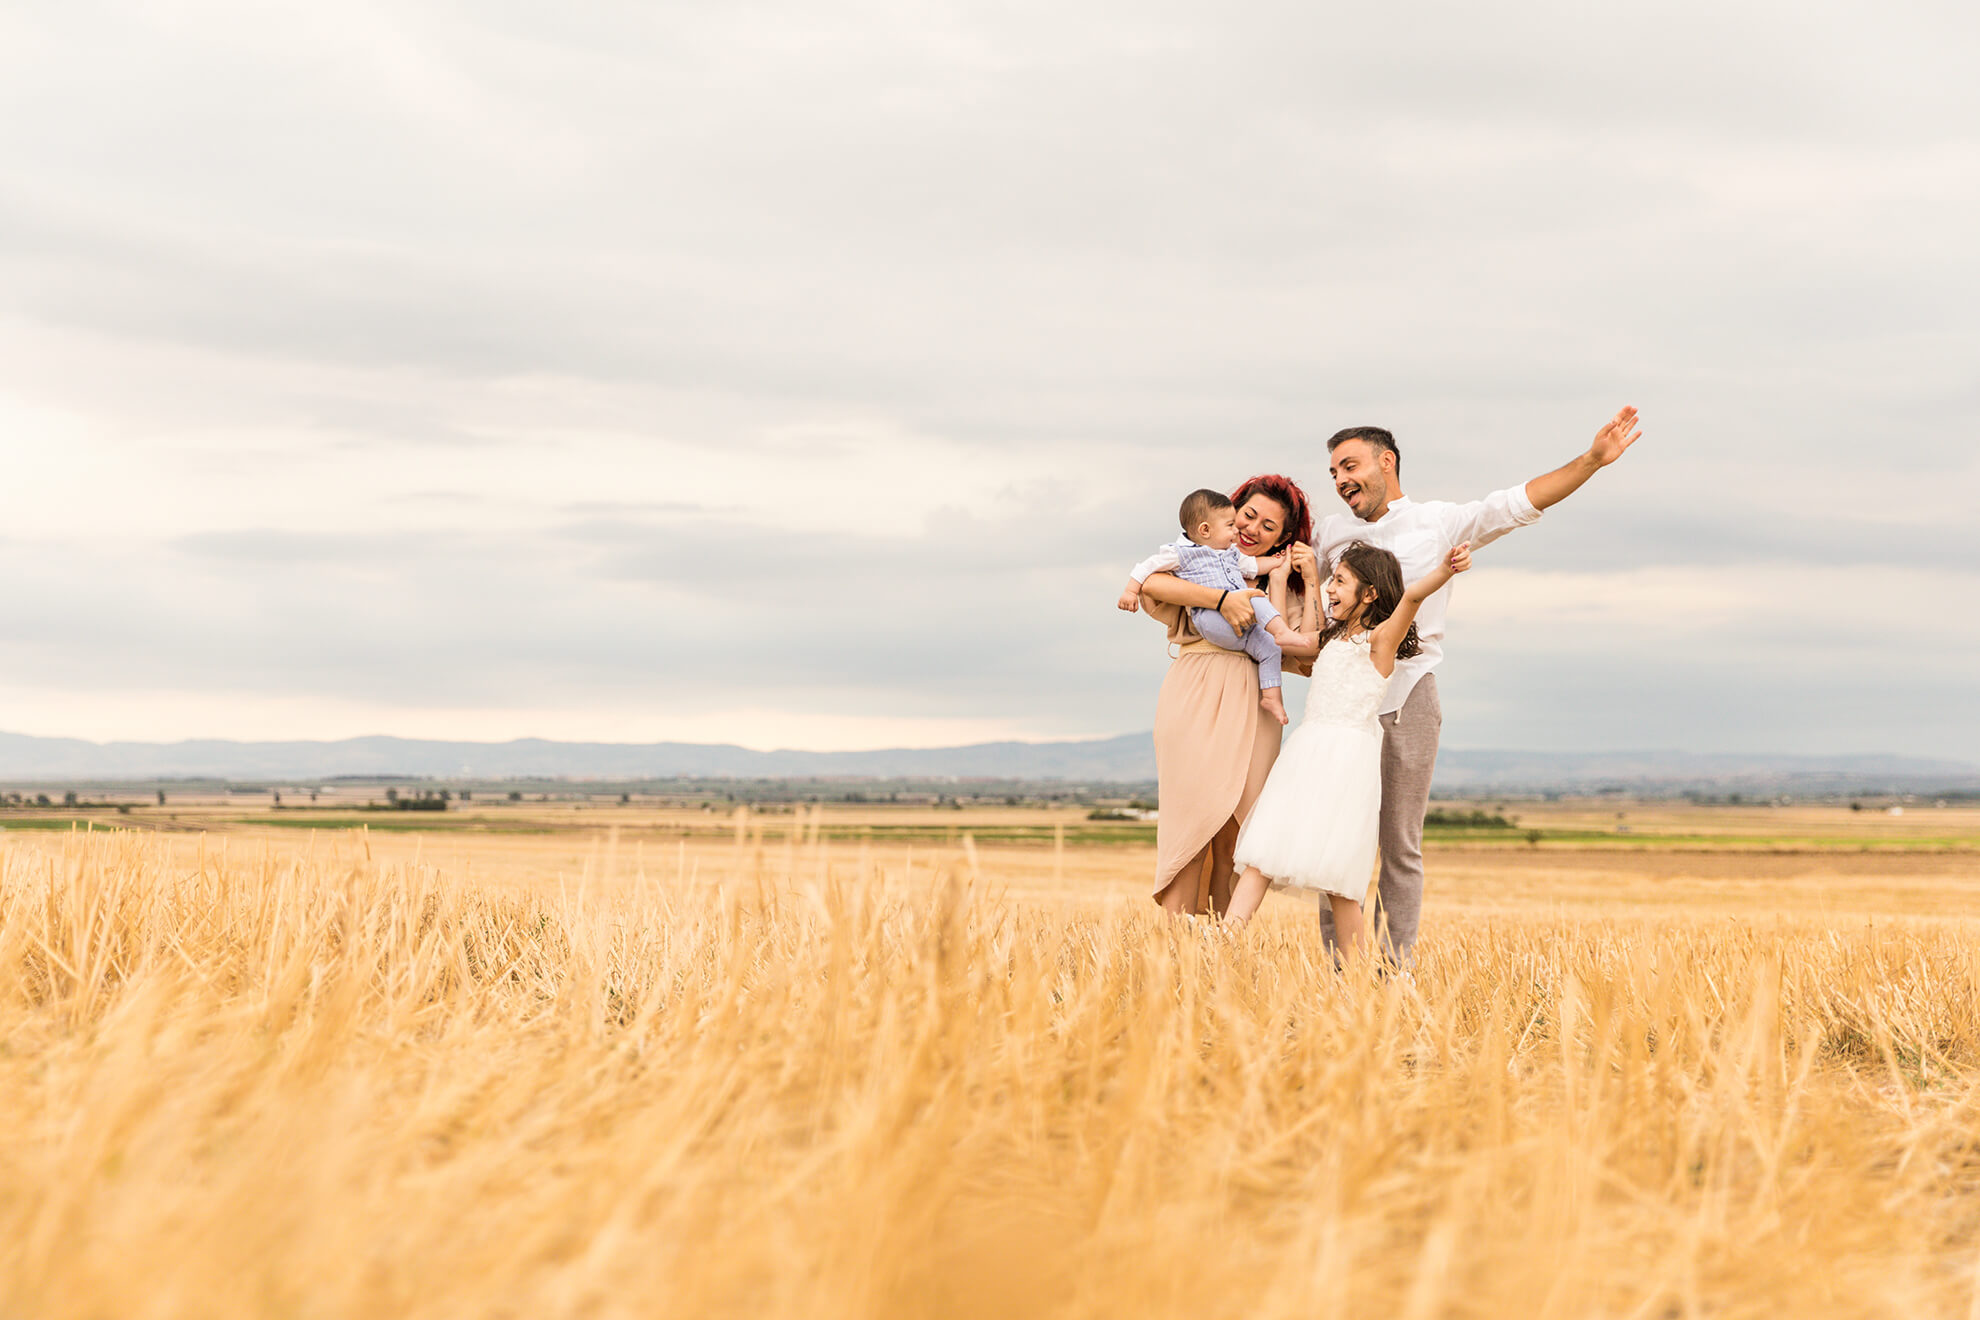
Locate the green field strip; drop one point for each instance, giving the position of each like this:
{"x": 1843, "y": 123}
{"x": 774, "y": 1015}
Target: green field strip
{"x": 786, "y": 831}
{"x": 65, "y": 823}
{"x": 1608, "y": 839}
{"x": 402, "y": 822}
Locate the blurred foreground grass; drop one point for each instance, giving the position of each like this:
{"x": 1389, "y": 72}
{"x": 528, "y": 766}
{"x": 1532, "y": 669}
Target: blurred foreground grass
{"x": 291, "y": 1076}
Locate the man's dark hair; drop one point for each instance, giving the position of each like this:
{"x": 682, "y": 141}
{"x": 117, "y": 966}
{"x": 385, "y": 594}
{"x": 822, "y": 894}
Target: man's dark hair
{"x": 1375, "y": 436}
{"x": 1198, "y": 505}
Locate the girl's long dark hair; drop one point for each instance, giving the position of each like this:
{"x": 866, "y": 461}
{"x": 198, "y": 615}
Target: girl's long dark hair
{"x": 1375, "y": 567}
{"x": 1299, "y": 515}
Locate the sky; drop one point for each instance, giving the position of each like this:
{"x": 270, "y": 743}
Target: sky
{"x": 809, "y": 375}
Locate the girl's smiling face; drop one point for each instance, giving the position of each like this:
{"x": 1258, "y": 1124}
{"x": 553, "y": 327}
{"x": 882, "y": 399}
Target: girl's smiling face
{"x": 1345, "y": 595}
{"x": 1261, "y": 521}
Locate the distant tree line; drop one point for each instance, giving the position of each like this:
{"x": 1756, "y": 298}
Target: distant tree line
{"x": 1439, "y": 818}
{"x": 425, "y": 800}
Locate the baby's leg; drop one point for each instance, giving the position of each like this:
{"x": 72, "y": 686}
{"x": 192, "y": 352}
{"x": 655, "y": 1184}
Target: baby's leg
{"x": 1257, "y": 644}
{"x": 1283, "y": 633}
{"x": 1274, "y": 623}
{"x": 1261, "y": 646}
{"x": 1214, "y": 627}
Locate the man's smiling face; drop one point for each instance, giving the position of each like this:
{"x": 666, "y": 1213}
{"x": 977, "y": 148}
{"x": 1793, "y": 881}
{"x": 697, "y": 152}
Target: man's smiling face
{"x": 1361, "y": 478}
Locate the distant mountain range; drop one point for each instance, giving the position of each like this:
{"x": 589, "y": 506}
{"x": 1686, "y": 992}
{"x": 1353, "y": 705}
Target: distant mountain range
{"x": 1129, "y": 758}
{"x": 22, "y": 758}
{"x": 1481, "y": 773}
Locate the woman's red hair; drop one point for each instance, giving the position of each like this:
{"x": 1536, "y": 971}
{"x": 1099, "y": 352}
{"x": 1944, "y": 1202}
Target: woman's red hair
{"x": 1299, "y": 515}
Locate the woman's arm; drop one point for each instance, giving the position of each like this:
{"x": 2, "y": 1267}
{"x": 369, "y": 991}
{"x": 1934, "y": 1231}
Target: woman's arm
{"x": 1388, "y": 635}
{"x": 1172, "y": 590}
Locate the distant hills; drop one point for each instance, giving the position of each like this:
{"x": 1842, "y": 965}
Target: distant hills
{"x": 22, "y": 758}
{"x": 1129, "y": 758}
{"x": 1482, "y": 773}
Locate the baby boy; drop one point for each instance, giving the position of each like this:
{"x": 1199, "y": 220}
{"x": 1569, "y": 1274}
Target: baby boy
{"x": 1208, "y": 556}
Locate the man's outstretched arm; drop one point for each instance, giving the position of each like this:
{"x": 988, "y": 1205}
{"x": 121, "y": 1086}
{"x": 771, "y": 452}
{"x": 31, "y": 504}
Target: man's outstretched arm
{"x": 1610, "y": 442}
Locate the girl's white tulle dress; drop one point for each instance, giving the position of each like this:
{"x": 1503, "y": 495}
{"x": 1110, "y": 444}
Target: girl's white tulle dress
{"x": 1314, "y": 824}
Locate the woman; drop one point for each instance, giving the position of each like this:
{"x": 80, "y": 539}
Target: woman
{"x": 1214, "y": 744}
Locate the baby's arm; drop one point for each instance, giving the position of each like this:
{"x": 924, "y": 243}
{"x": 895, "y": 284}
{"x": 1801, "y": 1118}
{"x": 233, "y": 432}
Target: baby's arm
{"x": 1390, "y": 632}
{"x": 1262, "y": 566}
{"x": 1165, "y": 560}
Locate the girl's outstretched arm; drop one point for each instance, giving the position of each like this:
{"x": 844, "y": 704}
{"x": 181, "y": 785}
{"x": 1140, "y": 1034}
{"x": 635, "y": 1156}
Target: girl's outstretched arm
{"x": 1313, "y": 619}
{"x": 1388, "y": 634}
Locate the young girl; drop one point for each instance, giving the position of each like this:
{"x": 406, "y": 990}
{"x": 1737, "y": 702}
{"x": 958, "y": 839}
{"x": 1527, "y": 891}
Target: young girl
{"x": 1314, "y": 824}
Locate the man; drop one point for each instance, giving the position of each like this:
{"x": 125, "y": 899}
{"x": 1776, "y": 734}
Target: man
{"x": 1366, "y": 468}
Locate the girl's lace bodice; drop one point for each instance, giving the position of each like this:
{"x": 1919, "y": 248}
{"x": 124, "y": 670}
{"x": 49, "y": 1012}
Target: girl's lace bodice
{"x": 1346, "y": 689}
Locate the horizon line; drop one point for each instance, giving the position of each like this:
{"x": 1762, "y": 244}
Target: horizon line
{"x": 1063, "y": 741}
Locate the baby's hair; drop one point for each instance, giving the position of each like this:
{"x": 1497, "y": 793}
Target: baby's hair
{"x": 1375, "y": 567}
{"x": 1198, "y": 505}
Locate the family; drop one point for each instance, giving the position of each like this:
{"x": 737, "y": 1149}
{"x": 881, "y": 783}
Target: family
{"x": 1249, "y": 590}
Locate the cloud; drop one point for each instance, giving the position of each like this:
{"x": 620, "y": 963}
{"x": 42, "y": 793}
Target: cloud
{"x": 633, "y": 363}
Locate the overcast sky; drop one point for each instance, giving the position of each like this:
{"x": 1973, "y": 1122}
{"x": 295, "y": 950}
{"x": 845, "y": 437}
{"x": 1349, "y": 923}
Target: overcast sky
{"x": 810, "y": 374}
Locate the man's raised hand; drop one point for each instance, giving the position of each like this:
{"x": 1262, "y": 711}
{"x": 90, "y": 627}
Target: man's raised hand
{"x": 1618, "y": 435}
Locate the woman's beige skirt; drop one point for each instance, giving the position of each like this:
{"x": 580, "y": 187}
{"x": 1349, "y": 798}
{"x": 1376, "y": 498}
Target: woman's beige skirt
{"x": 1214, "y": 746}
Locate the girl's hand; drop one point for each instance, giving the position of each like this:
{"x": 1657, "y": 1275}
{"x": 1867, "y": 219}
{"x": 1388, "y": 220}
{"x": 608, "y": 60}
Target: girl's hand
{"x": 1237, "y": 609}
{"x": 1460, "y": 558}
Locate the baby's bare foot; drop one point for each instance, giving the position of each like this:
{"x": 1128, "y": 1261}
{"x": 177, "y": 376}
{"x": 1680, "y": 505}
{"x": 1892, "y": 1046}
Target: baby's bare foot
{"x": 1283, "y": 634}
{"x": 1270, "y": 699}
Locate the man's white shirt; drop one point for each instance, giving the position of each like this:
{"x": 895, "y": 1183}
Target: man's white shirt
{"x": 1420, "y": 535}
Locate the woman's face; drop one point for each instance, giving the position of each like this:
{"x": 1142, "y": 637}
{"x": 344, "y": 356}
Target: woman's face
{"x": 1261, "y": 522}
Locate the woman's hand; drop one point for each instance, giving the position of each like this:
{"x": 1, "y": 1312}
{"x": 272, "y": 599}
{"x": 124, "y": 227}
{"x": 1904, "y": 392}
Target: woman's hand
{"x": 1237, "y": 610}
{"x": 1304, "y": 562}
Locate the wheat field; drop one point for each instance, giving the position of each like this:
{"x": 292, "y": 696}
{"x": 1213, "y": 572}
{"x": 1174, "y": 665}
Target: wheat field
{"x": 336, "y": 1074}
